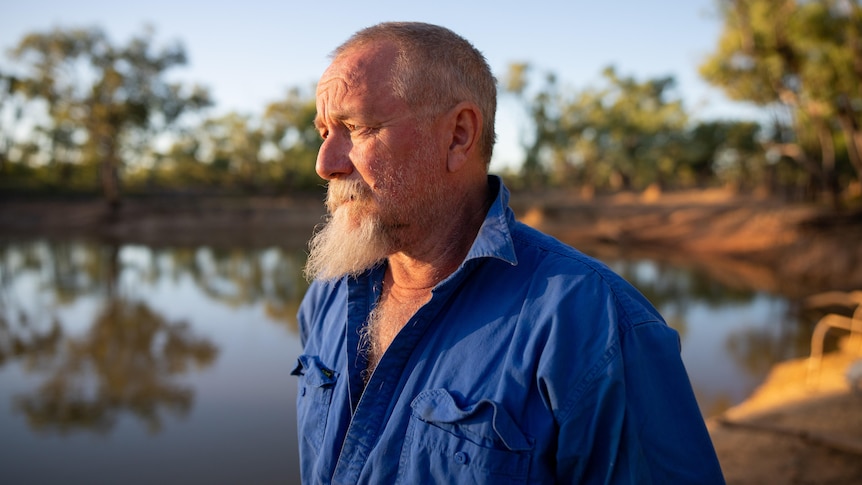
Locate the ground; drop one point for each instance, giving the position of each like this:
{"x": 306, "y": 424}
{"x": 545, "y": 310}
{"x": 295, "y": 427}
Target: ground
{"x": 802, "y": 426}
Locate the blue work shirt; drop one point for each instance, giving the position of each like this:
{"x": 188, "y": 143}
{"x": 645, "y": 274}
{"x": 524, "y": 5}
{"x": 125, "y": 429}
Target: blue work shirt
{"x": 531, "y": 363}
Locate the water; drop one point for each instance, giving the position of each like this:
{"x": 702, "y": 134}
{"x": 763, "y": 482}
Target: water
{"x": 135, "y": 364}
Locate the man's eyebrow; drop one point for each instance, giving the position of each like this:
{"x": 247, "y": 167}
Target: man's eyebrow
{"x": 335, "y": 115}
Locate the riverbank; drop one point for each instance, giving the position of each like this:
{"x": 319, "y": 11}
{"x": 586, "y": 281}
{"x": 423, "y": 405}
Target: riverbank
{"x": 745, "y": 241}
{"x": 802, "y": 425}
{"x": 742, "y": 241}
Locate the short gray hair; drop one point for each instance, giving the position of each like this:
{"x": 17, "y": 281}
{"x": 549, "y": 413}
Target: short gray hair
{"x": 436, "y": 68}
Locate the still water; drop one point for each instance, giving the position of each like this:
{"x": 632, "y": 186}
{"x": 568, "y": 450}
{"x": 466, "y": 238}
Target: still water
{"x": 136, "y": 364}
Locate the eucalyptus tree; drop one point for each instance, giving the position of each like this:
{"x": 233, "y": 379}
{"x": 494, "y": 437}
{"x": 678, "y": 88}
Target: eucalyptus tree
{"x": 270, "y": 153}
{"x": 104, "y": 101}
{"x": 231, "y": 145}
{"x": 291, "y": 140}
{"x": 542, "y": 135}
{"x": 621, "y": 135}
{"x": 803, "y": 58}
{"x": 727, "y": 152}
{"x": 631, "y": 127}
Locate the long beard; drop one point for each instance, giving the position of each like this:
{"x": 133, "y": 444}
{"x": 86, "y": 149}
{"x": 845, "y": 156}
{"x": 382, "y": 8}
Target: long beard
{"x": 352, "y": 240}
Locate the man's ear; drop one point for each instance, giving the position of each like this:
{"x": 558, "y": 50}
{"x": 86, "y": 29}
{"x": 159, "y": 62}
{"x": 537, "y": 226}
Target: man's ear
{"x": 465, "y": 125}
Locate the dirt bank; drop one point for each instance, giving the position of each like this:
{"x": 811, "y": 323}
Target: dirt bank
{"x": 803, "y": 425}
{"x": 170, "y": 220}
{"x": 791, "y": 249}
{"x": 742, "y": 241}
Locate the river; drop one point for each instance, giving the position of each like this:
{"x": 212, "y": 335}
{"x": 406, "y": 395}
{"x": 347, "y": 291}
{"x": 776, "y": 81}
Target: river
{"x": 124, "y": 363}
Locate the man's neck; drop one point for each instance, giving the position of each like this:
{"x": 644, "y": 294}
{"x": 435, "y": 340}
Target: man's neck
{"x": 437, "y": 255}
{"x": 412, "y": 274}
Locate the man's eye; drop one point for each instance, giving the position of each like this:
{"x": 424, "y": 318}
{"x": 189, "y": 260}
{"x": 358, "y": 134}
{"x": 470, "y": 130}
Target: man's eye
{"x": 350, "y": 127}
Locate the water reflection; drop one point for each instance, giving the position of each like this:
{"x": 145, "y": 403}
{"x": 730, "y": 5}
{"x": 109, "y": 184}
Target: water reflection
{"x": 126, "y": 360}
{"x": 731, "y": 335}
{"x": 181, "y": 355}
{"x": 97, "y": 336}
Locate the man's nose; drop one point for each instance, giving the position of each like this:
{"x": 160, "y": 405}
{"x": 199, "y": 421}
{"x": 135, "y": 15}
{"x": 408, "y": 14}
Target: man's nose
{"x": 333, "y": 158}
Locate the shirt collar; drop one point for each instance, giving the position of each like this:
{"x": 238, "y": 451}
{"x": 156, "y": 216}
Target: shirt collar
{"x": 494, "y": 239}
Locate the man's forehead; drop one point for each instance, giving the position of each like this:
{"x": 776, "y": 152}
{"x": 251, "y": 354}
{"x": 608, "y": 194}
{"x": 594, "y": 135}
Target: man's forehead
{"x": 343, "y": 92}
{"x": 361, "y": 67}
{"x": 340, "y": 76}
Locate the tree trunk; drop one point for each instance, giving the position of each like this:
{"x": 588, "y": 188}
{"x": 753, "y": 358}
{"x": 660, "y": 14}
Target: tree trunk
{"x": 830, "y": 178}
{"x": 110, "y": 179}
{"x": 853, "y": 138}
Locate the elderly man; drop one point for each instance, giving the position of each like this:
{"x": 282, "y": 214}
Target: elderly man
{"x": 445, "y": 342}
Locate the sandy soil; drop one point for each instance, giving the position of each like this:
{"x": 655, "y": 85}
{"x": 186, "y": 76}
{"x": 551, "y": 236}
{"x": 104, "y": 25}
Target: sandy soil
{"x": 792, "y": 249}
{"x": 802, "y": 426}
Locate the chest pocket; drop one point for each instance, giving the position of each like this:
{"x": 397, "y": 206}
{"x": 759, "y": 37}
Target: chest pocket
{"x": 313, "y": 397}
{"x": 479, "y": 443}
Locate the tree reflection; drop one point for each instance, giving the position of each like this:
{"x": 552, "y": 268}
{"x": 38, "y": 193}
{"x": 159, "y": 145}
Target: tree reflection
{"x": 32, "y": 332}
{"x": 19, "y": 339}
{"x": 127, "y": 360}
{"x": 758, "y": 348}
{"x": 271, "y": 277}
{"x": 124, "y": 363}
{"x": 673, "y": 283}
{"x": 129, "y": 357}
{"x": 675, "y": 289}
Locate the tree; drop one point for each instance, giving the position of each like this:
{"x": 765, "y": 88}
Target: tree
{"x": 103, "y": 100}
{"x": 544, "y": 118}
{"x": 273, "y": 153}
{"x": 233, "y": 144}
{"x": 803, "y": 58}
{"x": 621, "y": 135}
{"x": 725, "y": 151}
{"x": 288, "y": 127}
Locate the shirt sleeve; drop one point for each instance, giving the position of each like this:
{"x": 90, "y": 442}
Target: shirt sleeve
{"x": 638, "y": 421}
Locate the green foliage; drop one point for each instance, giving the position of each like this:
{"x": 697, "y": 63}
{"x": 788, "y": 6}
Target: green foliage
{"x": 80, "y": 112}
{"x": 102, "y": 100}
{"x": 289, "y": 128}
{"x": 803, "y": 58}
{"x": 96, "y": 109}
{"x": 623, "y": 135}
{"x": 241, "y": 153}
{"x": 724, "y": 151}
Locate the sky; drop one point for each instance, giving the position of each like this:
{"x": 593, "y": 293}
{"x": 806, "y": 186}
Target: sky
{"x": 250, "y": 52}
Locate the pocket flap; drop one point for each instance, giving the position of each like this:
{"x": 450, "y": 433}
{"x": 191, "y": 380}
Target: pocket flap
{"x": 484, "y": 420}
{"x": 314, "y": 372}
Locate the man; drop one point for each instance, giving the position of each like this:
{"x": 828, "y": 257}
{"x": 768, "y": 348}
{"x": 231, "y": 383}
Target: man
{"x": 444, "y": 342}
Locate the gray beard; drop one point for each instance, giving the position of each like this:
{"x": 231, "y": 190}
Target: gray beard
{"x": 342, "y": 248}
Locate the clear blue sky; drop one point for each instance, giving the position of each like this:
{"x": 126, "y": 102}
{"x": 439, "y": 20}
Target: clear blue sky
{"x": 249, "y": 52}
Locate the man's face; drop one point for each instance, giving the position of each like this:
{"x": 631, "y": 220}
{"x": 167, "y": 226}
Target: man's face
{"x": 383, "y": 165}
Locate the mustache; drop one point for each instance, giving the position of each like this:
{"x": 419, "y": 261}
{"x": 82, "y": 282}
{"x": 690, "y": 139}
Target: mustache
{"x": 339, "y": 192}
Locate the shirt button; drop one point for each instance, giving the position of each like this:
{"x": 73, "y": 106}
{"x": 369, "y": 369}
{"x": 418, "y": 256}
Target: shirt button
{"x": 461, "y": 457}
